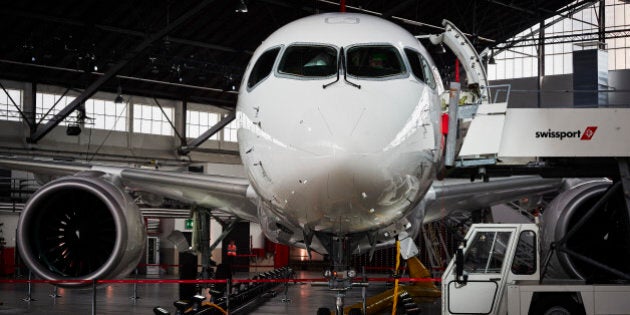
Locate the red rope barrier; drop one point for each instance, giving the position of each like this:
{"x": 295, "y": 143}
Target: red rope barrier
{"x": 160, "y": 281}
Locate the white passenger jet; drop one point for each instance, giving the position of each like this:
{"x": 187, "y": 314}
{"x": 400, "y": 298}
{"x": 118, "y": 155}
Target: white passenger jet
{"x": 340, "y": 138}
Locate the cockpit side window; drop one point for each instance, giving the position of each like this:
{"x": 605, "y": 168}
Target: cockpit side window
{"x": 374, "y": 61}
{"x": 420, "y": 67}
{"x": 311, "y": 61}
{"x": 263, "y": 66}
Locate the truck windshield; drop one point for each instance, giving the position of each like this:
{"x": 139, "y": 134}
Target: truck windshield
{"x": 486, "y": 252}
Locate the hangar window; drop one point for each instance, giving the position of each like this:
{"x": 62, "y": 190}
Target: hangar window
{"x": 108, "y": 115}
{"x": 197, "y": 122}
{"x": 149, "y": 119}
{"x": 48, "y": 105}
{"x": 99, "y": 114}
{"x": 229, "y": 131}
{"x": 263, "y": 66}
{"x": 311, "y": 61}
{"x": 420, "y": 67}
{"x": 7, "y": 110}
{"x": 374, "y": 61}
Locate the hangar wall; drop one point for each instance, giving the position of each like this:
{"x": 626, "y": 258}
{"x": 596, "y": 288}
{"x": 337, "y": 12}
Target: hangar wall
{"x": 110, "y": 144}
{"x": 557, "y": 90}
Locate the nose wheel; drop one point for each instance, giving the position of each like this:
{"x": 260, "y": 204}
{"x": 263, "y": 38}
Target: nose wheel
{"x": 340, "y": 283}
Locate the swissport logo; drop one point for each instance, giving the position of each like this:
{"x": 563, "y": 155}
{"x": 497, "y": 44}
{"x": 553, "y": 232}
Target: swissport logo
{"x": 587, "y": 135}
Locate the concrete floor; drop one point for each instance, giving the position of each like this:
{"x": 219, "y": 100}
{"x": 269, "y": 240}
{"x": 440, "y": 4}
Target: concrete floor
{"x": 116, "y": 299}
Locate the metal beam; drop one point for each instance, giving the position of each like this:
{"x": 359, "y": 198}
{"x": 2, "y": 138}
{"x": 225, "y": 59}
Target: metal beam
{"x": 118, "y": 30}
{"x": 227, "y": 228}
{"x": 624, "y": 179}
{"x": 93, "y": 88}
{"x": 530, "y": 36}
{"x": 179, "y": 136}
{"x": 601, "y": 21}
{"x": 397, "y": 8}
{"x": 570, "y": 38}
{"x": 124, "y": 77}
{"x": 183, "y": 150}
{"x": 541, "y": 62}
{"x": 14, "y": 103}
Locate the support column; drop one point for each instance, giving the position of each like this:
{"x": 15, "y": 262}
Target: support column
{"x": 541, "y": 60}
{"x": 601, "y": 23}
{"x": 204, "y": 218}
{"x": 29, "y": 107}
{"x": 624, "y": 177}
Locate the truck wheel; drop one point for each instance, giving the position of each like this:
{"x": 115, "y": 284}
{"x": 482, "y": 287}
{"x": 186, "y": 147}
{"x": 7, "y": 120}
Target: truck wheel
{"x": 558, "y": 310}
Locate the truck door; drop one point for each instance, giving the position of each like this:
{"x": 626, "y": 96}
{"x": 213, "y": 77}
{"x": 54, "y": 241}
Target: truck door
{"x": 484, "y": 264}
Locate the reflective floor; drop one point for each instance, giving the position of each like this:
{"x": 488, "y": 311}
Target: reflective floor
{"x": 116, "y": 299}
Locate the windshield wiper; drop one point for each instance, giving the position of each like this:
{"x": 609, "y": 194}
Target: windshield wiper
{"x": 341, "y": 66}
{"x": 345, "y": 70}
{"x": 339, "y": 62}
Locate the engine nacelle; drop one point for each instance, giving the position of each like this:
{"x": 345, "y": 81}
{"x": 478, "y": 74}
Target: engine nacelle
{"x": 604, "y": 238}
{"x": 81, "y": 227}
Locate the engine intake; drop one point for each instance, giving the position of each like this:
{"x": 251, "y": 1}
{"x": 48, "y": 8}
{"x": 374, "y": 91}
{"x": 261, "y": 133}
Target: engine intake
{"x": 81, "y": 227}
{"x": 605, "y": 238}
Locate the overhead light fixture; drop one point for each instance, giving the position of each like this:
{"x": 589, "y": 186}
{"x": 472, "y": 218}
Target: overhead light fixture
{"x": 241, "y": 7}
{"x": 491, "y": 61}
{"x": 119, "y": 99}
{"x": 73, "y": 129}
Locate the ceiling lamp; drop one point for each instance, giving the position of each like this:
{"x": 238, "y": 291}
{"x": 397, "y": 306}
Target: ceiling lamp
{"x": 241, "y": 7}
{"x": 119, "y": 99}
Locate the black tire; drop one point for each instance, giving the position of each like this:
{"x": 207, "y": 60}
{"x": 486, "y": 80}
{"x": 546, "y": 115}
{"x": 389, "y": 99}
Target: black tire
{"x": 355, "y": 311}
{"x": 323, "y": 311}
{"x": 556, "y": 303}
{"x": 558, "y": 310}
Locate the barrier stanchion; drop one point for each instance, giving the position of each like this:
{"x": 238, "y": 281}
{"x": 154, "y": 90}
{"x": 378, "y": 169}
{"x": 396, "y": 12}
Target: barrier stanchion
{"x": 364, "y": 291}
{"x": 286, "y": 299}
{"x": 29, "y": 294}
{"x": 228, "y": 291}
{"x": 134, "y": 295}
{"x": 94, "y": 297}
{"x": 54, "y": 293}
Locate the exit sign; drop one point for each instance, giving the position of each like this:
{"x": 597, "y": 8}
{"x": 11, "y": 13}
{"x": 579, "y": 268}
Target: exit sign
{"x": 189, "y": 224}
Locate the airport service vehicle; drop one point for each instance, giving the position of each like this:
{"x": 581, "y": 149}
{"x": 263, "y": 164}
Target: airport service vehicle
{"x": 498, "y": 270}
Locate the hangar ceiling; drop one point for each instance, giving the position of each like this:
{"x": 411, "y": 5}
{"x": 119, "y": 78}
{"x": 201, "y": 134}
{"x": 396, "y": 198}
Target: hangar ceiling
{"x": 197, "y": 50}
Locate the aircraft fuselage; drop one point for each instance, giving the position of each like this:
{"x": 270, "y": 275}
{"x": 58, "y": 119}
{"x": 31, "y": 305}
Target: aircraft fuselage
{"x": 339, "y": 123}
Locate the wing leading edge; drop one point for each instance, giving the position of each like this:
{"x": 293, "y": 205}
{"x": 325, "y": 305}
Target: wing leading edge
{"x": 227, "y": 194}
{"x": 445, "y": 197}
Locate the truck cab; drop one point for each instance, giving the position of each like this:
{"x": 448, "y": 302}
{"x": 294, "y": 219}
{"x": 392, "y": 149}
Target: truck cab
{"x": 491, "y": 257}
{"x": 497, "y": 270}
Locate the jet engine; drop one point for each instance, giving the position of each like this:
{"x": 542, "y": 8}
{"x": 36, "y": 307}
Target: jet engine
{"x": 81, "y": 227}
{"x": 604, "y": 238}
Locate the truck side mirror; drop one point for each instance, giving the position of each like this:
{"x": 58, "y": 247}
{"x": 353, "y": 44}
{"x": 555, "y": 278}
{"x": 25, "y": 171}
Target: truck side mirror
{"x": 459, "y": 267}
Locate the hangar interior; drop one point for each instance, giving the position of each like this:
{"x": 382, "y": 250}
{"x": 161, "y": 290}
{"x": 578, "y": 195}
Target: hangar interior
{"x": 154, "y": 85}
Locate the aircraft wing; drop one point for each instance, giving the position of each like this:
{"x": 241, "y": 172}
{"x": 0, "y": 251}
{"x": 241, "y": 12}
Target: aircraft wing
{"x": 227, "y": 194}
{"x": 224, "y": 193}
{"x": 447, "y": 196}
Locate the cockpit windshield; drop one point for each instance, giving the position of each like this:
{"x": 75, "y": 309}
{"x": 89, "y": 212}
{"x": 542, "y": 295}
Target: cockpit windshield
{"x": 309, "y": 61}
{"x": 374, "y": 61}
